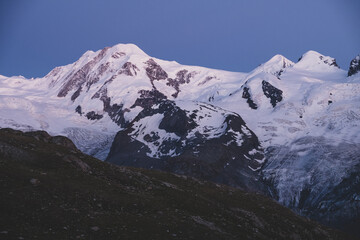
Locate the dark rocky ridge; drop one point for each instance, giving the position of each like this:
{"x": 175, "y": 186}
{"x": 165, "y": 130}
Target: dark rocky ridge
{"x": 93, "y": 116}
{"x": 217, "y": 159}
{"x": 50, "y": 190}
{"x": 115, "y": 111}
{"x": 330, "y": 63}
{"x": 182, "y": 77}
{"x": 79, "y": 78}
{"x": 272, "y": 92}
{"x": 155, "y": 72}
{"x": 246, "y": 94}
{"x": 148, "y": 98}
{"x": 85, "y": 77}
{"x": 78, "y": 109}
{"x": 129, "y": 69}
{"x": 354, "y": 66}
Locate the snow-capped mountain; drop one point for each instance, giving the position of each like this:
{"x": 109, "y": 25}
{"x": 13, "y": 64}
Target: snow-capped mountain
{"x": 294, "y": 127}
{"x": 191, "y": 138}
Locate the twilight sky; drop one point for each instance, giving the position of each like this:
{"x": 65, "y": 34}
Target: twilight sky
{"x": 234, "y": 35}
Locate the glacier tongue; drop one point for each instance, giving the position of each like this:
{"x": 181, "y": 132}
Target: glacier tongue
{"x": 316, "y": 178}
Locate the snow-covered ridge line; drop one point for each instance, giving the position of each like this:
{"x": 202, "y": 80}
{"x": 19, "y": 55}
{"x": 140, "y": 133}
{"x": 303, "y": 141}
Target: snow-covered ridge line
{"x": 110, "y": 83}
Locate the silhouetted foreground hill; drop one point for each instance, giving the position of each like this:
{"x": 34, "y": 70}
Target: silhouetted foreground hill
{"x": 50, "y": 190}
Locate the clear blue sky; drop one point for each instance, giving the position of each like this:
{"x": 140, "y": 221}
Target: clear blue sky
{"x": 235, "y": 35}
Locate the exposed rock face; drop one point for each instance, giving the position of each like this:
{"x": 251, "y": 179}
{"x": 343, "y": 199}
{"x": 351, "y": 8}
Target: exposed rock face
{"x": 78, "y": 110}
{"x": 148, "y": 98}
{"x": 76, "y": 94}
{"x": 354, "y": 66}
{"x": 272, "y": 92}
{"x": 184, "y": 141}
{"x": 117, "y": 55}
{"x": 129, "y": 69}
{"x": 102, "y": 92}
{"x": 331, "y": 62}
{"x": 246, "y": 94}
{"x": 154, "y": 71}
{"x": 182, "y": 77}
{"x": 78, "y": 79}
{"x": 93, "y": 116}
{"x": 175, "y": 119}
{"x": 115, "y": 111}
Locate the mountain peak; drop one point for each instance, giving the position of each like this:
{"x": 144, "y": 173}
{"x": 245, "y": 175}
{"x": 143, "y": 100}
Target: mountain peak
{"x": 311, "y": 53}
{"x": 315, "y": 61}
{"x": 279, "y": 60}
{"x": 112, "y": 53}
{"x": 275, "y": 65}
{"x": 128, "y": 48}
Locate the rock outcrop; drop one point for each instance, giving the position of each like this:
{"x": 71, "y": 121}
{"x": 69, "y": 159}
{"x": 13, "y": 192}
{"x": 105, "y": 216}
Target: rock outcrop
{"x": 354, "y": 66}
